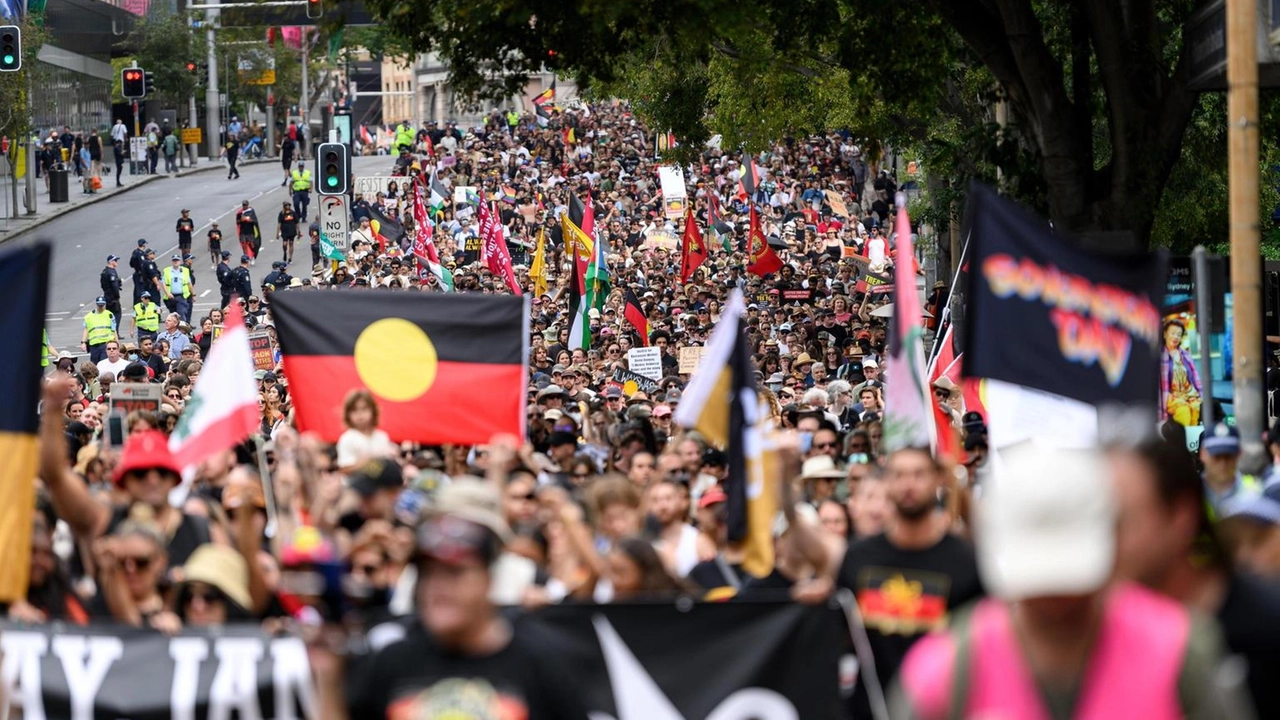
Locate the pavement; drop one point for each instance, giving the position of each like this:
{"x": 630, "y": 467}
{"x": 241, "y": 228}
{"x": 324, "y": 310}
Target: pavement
{"x": 85, "y": 232}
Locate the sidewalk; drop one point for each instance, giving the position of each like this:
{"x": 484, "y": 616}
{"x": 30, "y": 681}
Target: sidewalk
{"x": 47, "y": 212}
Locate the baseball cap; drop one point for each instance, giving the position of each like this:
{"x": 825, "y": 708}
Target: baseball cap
{"x": 712, "y": 496}
{"x": 374, "y": 475}
{"x": 660, "y": 410}
{"x": 1224, "y": 439}
{"x": 142, "y": 241}
{"x": 101, "y": 300}
{"x": 226, "y": 254}
{"x": 146, "y": 294}
{"x": 1262, "y": 507}
{"x": 112, "y": 257}
{"x": 870, "y": 362}
{"x": 244, "y": 258}
{"x": 175, "y": 256}
{"x": 1045, "y": 525}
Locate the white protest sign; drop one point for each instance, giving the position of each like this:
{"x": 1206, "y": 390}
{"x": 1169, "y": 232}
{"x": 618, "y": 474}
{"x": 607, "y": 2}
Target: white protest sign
{"x": 646, "y": 361}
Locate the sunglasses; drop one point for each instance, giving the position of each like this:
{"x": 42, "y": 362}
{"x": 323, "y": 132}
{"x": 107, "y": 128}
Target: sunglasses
{"x": 139, "y": 564}
{"x": 205, "y": 595}
{"x": 824, "y": 446}
{"x": 366, "y": 569}
{"x": 529, "y": 495}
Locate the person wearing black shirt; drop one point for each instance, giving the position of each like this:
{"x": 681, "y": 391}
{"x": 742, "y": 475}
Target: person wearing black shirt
{"x": 1167, "y": 542}
{"x": 185, "y": 227}
{"x": 908, "y": 579}
{"x": 287, "y": 230}
{"x": 215, "y": 244}
{"x": 462, "y": 658}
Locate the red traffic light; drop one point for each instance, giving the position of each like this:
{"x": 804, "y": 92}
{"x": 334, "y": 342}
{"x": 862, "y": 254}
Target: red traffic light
{"x": 191, "y": 67}
{"x": 132, "y": 74}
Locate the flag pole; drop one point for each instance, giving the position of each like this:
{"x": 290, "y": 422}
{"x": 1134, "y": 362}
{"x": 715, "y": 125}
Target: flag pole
{"x": 268, "y": 489}
{"x": 946, "y": 309}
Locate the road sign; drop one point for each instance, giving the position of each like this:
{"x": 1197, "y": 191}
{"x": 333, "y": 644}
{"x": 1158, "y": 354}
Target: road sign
{"x": 192, "y": 136}
{"x": 335, "y": 219}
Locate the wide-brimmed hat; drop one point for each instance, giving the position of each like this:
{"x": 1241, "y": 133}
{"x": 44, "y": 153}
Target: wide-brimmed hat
{"x": 221, "y": 567}
{"x": 820, "y": 466}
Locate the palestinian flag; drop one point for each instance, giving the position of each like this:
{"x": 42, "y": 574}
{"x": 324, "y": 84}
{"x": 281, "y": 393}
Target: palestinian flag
{"x": 723, "y": 403}
{"x": 439, "y": 193}
{"x": 542, "y": 115}
{"x": 24, "y": 281}
{"x": 579, "y": 308}
{"x": 546, "y": 97}
{"x": 692, "y": 250}
{"x": 907, "y": 421}
{"x": 761, "y": 260}
{"x": 597, "y": 279}
{"x": 444, "y": 368}
{"x": 424, "y": 246}
{"x": 634, "y": 313}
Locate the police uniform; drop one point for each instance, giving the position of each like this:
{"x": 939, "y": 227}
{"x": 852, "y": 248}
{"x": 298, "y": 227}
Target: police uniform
{"x": 112, "y": 285}
{"x": 241, "y": 282}
{"x": 138, "y": 261}
{"x": 100, "y": 329}
{"x": 146, "y": 318}
{"x": 225, "y": 286}
{"x": 301, "y": 192}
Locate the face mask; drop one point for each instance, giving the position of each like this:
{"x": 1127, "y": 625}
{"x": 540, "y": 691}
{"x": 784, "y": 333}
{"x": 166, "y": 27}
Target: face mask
{"x": 133, "y": 356}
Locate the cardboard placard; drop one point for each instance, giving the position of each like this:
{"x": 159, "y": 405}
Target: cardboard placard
{"x": 689, "y": 359}
{"x": 127, "y": 397}
{"x": 796, "y": 295}
{"x": 646, "y": 361}
{"x": 260, "y": 346}
{"x": 634, "y": 382}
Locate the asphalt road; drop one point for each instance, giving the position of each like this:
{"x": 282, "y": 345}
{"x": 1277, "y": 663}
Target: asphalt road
{"x": 83, "y": 239}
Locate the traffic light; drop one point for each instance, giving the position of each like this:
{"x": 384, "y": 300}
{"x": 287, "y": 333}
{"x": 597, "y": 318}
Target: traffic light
{"x": 333, "y": 168}
{"x": 132, "y": 84}
{"x": 148, "y": 82}
{"x": 10, "y": 48}
{"x": 315, "y": 9}
{"x": 192, "y": 68}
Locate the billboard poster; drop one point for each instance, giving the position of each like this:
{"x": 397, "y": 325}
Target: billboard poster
{"x": 1184, "y": 390}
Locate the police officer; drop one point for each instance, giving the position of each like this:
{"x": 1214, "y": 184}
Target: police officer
{"x": 112, "y": 285}
{"x": 241, "y": 283}
{"x": 152, "y": 274}
{"x": 277, "y": 272}
{"x": 146, "y": 318}
{"x": 404, "y": 137}
{"x": 301, "y": 190}
{"x": 138, "y": 261}
{"x": 177, "y": 288}
{"x": 99, "y": 329}
{"x": 225, "y": 284}
{"x": 215, "y": 244}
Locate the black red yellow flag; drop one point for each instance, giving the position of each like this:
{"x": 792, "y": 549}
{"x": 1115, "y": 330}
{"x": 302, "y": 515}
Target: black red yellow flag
{"x": 444, "y": 368}
{"x": 24, "y": 280}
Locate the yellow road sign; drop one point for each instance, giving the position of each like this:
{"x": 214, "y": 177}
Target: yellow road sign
{"x": 192, "y": 136}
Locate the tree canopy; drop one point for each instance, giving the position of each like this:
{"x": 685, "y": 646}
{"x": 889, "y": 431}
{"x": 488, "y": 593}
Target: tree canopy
{"x": 1096, "y": 90}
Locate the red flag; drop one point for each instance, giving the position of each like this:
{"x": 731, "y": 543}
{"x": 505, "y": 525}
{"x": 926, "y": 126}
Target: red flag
{"x": 762, "y": 260}
{"x": 692, "y": 251}
{"x": 424, "y": 246}
{"x": 750, "y": 179}
{"x": 946, "y": 438}
{"x": 493, "y": 247}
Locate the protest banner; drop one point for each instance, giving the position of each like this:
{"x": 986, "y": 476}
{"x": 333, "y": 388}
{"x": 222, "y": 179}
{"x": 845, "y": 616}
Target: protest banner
{"x": 764, "y": 660}
{"x": 369, "y": 187}
{"x": 796, "y": 295}
{"x": 1085, "y": 326}
{"x": 689, "y": 359}
{"x": 55, "y": 672}
{"x": 263, "y": 355}
{"x": 127, "y": 397}
{"x": 633, "y": 382}
{"x": 646, "y": 361}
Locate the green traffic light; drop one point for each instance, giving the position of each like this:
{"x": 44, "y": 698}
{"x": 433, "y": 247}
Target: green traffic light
{"x": 8, "y": 59}
{"x": 332, "y": 181}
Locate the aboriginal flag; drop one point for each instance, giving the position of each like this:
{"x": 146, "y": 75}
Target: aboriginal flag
{"x": 24, "y": 279}
{"x": 444, "y": 368}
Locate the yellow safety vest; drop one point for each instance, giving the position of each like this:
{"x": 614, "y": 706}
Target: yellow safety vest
{"x": 186, "y": 280}
{"x": 1248, "y": 484}
{"x": 44, "y": 350}
{"x": 100, "y": 326}
{"x": 301, "y": 180}
{"x": 147, "y": 316}
{"x": 404, "y": 135}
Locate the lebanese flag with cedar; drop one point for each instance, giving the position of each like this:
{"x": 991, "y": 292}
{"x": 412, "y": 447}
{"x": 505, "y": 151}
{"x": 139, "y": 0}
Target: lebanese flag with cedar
{"x": 223, "y": 409}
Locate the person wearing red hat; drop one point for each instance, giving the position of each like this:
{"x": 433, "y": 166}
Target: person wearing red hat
{"x": 146, "y": 472}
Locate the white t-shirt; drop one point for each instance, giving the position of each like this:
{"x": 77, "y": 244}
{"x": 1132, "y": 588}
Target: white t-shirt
{"x": 106, "y": 366}
{"x": 355, "y": 447}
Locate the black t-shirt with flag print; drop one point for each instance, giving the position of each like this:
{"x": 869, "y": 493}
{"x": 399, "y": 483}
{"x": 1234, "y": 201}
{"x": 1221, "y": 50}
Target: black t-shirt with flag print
{"x": 904, "y": 594}
{"x": 416, "y": 679}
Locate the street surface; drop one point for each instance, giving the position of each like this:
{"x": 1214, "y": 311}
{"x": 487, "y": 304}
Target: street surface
{"x": 83, "y": 239}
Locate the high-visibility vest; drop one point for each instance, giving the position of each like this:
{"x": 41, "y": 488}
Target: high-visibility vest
{"x": 301, "y": 180}
{"x": 404, "y": 135}
{"x": 147, "y": 316}
{"x": 186, "y": 280}
{"x": 100, "y": 327}
{"x": 44, "y": 350}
